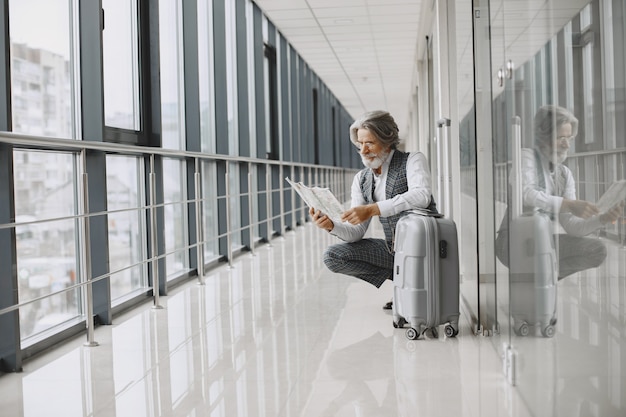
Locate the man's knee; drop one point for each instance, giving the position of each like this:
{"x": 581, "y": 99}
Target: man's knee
{"x": 331, "y": 258}
{"x": 598, "y": 253}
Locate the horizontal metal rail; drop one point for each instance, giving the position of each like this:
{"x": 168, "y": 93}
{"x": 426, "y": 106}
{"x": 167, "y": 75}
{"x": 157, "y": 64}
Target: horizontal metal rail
{"x": 336, "y": 177}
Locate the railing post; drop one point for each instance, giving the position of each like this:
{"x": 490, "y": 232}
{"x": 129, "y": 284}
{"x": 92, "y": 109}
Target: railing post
{"x": 250, "y": 209}
{"x": 268, "y": 191}
{"x": 86, "y": 254}
{"x": 281, "y": 199}
{"x": 153, "y": 237}
{"x": 294, "y": 211}
{"x": 199, "y": 228}
{"x": 229, "y": 249}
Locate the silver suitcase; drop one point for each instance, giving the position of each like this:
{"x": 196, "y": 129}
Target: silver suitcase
{"x": 533, "y": 274}
{"x": 533, "y": 259}
{"x": 426, "y": 275}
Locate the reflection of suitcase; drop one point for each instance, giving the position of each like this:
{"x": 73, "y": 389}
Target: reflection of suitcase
{"x": 426, "y": 275}
{"x": 533, "y": 260}
{"x": 533, "y": 273}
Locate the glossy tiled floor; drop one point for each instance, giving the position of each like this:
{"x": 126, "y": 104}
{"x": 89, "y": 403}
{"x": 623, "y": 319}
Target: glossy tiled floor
{"x": 581, "y": 371}
{"x": 278, "y": 335}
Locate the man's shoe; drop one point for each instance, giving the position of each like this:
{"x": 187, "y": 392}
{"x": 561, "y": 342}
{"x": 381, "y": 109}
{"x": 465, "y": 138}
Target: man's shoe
{"x": 388, "y": 306}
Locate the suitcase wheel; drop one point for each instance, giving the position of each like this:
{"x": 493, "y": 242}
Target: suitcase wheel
{"x": 548, "y": 331}
{"x": 450, "y": 331}
{"x": 523, "y": 330}
{"x": 412, "y": 334}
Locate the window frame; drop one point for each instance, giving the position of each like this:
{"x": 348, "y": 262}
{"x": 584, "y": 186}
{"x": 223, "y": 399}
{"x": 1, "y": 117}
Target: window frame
{"x": 146, "y": 44}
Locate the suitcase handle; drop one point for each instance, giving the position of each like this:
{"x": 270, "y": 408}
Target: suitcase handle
{"x": 426, "y": 212}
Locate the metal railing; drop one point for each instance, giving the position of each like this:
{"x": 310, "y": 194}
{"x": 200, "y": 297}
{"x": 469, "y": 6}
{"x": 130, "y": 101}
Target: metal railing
{"x": 593, "y": 173}
{"x": 338, "y": 179}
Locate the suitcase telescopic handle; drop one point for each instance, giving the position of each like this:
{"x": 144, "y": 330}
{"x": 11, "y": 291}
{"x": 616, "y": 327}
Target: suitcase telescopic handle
{"x": 516, "y": 174}
{"x": 445, "y": 171}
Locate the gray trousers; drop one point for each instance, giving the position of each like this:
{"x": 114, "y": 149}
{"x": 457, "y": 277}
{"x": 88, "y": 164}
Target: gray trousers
{"x": 576, "y": 253}
{"x": 367, "y": 259}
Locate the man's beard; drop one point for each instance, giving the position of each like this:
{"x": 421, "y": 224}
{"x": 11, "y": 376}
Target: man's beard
{"x": 557, "y": 158}
{"x": 377, "y": 161}
{"x": 554, "y": 156}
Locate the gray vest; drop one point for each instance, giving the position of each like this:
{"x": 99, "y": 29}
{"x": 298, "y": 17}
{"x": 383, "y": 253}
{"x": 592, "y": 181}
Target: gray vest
{"x": 396, "y": 184}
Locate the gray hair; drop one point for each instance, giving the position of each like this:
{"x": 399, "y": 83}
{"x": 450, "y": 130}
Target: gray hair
{"x": 549, "y": 119}
{"x": 380, "y": 124}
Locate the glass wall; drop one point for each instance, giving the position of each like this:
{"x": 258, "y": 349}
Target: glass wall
{"x": 46, "y": 241}
{"x": 139, "y": 91}
{"x": 175, "y": 208}
{"x": 43, "y": 80}
{"x": 205, "y": 75}
{"x": 558, "y": 107}
{"x": 172, "y": 88}
{"x": 126, "y": 225}
{"x": 120, "y": 49}
{"x": 467, "y": 143}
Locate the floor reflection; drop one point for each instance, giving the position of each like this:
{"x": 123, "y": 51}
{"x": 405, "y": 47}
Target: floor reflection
{"x": 279, "y": 335}
{"x": 581, "y": 372}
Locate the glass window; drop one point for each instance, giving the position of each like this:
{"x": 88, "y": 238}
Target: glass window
{"x": 587, "y": 76}
{"x": 206, "y": 79}
{"x": 234, "y": 204}
{"x": 231, "y": 78}
{"x": 251, "y": 76}
{"x": 253, "y": 200}
{"x": 174, "y": 186}
{"x": 209, "y": 206}
{"x": 120, "y": 43}
{"x": 46, "y": 238}
{"x": 126, "y": 226}
{"x": 42, "y": 68}
{"x": 271, "y": 102}
{"x": 172, "y": 85}
{"x": 609, "y": 74}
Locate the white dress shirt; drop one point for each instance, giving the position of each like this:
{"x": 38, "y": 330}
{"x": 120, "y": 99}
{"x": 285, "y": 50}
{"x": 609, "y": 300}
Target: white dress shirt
{"x": 551, "y": 199}
{"x": 417, "y": 196}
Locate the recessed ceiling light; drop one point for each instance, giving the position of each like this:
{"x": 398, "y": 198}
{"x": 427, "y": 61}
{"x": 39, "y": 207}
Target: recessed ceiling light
{"x": 345, "y": 21}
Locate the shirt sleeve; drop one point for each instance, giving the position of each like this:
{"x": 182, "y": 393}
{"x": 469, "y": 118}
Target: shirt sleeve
{"x": 538, "y": 198}
{"x": 344, "y": 230}
{"x": 419, "y": 190}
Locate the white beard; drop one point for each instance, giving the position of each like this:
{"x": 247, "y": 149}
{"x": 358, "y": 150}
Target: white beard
{"x": 561, "y": 157}
{"x": 557, "y": 158}
{"x": 377, "y": 162}
{"x": 554, "y": 155}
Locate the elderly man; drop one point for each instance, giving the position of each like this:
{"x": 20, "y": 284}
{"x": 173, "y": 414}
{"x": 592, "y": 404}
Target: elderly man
{"x": 548, "y": 186}
{"x": 392, "y": 183}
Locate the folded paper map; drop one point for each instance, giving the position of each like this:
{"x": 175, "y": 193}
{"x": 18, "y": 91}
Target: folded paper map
{"x": 321, "y": 199}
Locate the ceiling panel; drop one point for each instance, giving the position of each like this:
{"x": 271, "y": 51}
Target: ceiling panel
{"x": 364, "y": 50}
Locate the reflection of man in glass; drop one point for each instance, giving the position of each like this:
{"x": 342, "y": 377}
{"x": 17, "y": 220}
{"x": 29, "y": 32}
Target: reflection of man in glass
{"x": 548, "y": 185}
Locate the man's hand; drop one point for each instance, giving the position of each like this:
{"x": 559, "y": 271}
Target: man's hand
{"x": 579, "y": 208}
{"x": 613, "y": 214}
{"x": 321, "y": 220}
{"x": 360, "y": 214}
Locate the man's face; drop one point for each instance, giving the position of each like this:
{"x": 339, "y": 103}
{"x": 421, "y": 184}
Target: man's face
{"x": 373, "y": 152}
{"x": 557, "y": 153}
